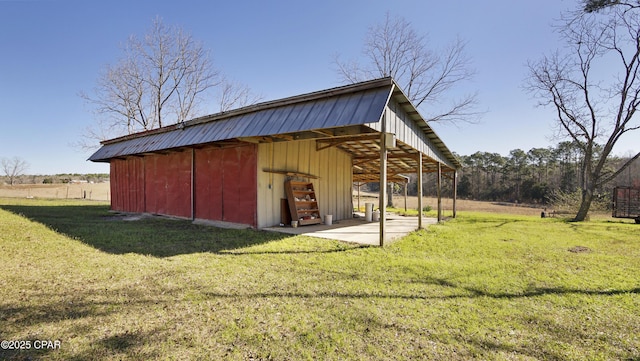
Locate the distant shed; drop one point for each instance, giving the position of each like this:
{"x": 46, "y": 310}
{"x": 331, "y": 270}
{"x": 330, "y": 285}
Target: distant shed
{"x": 626, "y": 203}
{"x": 232, "y": 166}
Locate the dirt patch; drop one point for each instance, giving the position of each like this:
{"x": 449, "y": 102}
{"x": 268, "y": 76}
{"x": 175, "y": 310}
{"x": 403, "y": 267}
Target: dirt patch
{"x": 579, "y": 249}
{"x": 125, "y": 217}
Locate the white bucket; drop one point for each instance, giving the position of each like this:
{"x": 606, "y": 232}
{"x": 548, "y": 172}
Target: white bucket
{"x": 376, "y": 216}
{"x": 328, "y": 219}
{"x": 368, "y": 211}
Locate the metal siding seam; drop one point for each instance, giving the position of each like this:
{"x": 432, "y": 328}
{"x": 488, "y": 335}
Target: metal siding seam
{"x": 361, "y": 113}
{"x": 334, "y": 115}
{"x": 299, "y": 115}
{"x": 242, "y": 123}
{"x": 261, "y": 124}
{"x": 323, "y": 113}
{"x": 348, "y": 114}
{"x": 282, "y": 123}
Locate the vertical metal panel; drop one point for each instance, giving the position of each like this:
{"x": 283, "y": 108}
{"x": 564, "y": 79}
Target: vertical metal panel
{"x": 208, "y": 184}
{"x": 168, "y": 184}
{"x": 137, "y": 182}
{"x": 151, "y": 192}
{"x": 114, "y": 182}
{"x": 127, "y": 184}
{"x": 239, "y": 184}
{"x": 180, "y": 190}
{"x": 332, "y": 165}
{"x": 225, "y": 184}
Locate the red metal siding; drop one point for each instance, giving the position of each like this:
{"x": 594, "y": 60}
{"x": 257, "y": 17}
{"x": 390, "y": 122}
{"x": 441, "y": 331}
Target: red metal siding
{"x": 127, "y": 184}
{"x": 226, "y": 184}
{"x": 240, "y": 185}
{"x": 208, "y": 184}
{"x": 168, "y": 183}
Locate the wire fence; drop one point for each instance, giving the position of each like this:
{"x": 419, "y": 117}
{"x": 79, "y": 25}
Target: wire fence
{"x": 92, "y": 191}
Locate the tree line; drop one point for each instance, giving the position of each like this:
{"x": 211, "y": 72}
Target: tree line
{"x": 543, "y": 176}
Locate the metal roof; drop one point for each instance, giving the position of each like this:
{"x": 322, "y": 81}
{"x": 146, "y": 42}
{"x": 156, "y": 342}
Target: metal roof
{"x": 343, "y": 106}
{"x": 324, "y": 114}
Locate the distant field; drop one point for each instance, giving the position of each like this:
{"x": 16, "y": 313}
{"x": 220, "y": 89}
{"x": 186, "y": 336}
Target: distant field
{"x": 101, "y": 192}
{"x": 93, "y": 191}
{"x": 447, "y": 205}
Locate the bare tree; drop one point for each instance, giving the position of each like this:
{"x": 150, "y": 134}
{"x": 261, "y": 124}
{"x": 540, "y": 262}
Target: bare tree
{"x": 160, "y": 80}
{"x": 235, "y": 95}
{"x": 393, "y": 48}
{"x": 14, "y": 168}
{"x": 594, "y": 89}
{"x": 597, "y": 5}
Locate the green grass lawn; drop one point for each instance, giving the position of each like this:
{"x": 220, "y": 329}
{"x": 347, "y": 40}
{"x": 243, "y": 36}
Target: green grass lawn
{"x": 482, "y": 286}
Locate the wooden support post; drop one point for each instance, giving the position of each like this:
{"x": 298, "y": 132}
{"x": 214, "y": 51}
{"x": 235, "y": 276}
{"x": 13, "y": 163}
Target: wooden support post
{"x": 455, "y": 192}
{"x": 419, "y": 190}
{"x": 439, "y": 191}
{"x": 382, "y": 197}
{"x": 406, "y": 185}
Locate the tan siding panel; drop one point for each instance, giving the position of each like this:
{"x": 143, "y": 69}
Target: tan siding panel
{"x": 331, "y": 165}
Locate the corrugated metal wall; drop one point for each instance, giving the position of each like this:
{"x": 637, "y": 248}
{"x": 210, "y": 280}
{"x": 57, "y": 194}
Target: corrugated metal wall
{"x": 168, "y": 183}
{"x": 225, "y": 184}
{"x": 333, "y": 188}
{"x": 127, "y": 184}
{"x": 208, "y": 184}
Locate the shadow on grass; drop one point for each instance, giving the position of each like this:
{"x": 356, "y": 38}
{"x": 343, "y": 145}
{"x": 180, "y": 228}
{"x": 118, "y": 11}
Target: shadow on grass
{"x": 154, "y": 236}
{"x": 127, "y": 343}
{"x": 48, "y": 310}
{"x": 399, "y": 296}
{"x": 552, "y": 291}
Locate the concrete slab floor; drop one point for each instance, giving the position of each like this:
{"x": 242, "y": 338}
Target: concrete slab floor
{"x": 357, "y": 230}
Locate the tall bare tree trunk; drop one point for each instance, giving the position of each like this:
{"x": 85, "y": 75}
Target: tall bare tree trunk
{"x": 581, "y": 99}
{"x": 585, "y": 204}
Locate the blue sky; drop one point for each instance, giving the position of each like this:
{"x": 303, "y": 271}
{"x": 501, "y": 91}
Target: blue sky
{"x": 54, "y": 49}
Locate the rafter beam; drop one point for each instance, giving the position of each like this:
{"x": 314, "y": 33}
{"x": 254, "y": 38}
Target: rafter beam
{"x": 332, "y": 142}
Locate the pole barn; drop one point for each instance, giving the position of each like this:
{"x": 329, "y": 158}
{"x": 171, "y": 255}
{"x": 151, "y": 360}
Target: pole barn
{"x": 232, "y": 166}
